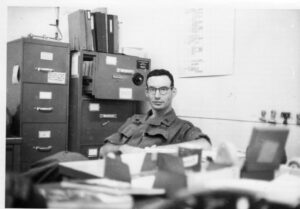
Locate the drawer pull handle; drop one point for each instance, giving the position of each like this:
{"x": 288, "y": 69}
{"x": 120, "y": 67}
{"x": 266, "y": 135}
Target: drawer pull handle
{"x": 105, "y": 123}
{"x": 43, "y": 149}
{"x": 44, "y": 109}
{"x": 43, "y": 69}
{"x": 108, "y": 115}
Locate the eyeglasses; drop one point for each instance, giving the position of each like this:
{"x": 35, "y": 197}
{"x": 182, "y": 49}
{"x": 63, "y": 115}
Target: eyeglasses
{"x": 162, "y": 90}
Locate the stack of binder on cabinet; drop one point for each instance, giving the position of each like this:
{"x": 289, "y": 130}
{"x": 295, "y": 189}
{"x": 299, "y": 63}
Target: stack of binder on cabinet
{"x": 94, "y": 31}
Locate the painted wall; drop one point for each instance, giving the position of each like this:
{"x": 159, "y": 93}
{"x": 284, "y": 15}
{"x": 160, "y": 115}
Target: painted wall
{"x": 265, "y": 64}
{"x": 266, "y": 77}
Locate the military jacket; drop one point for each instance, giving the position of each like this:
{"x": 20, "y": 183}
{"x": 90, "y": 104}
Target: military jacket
{"x": 144, "y": 131}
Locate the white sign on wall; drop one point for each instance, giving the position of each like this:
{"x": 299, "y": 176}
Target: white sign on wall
{"x": 207, "y": 42}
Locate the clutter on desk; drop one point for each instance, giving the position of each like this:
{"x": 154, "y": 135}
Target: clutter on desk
{"x": 72, "y": 197}
{"x": 162, "y": 173}
{"x": 234, "y": 194}
{"x": 112, "y": 187}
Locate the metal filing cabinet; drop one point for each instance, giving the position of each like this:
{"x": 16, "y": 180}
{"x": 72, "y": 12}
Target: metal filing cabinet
{"x": 103, "y": 96}
{"x": 37, "y": 96}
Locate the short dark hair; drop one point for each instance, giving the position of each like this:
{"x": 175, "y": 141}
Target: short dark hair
{"x": 160, "y": 72}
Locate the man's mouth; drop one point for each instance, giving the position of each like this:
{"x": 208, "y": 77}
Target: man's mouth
{"x": 157, "y": 103}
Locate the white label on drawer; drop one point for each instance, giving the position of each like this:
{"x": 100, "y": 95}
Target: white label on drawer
{"x": 125, "y": 93}
{"x": 46, "y": 56}
{"x": 56, "y": 77}
{"x": 111, "y": 60}
{"x": 190, "y": 160}
{"x": 15, "y": 74}
{"x": 125, "y": 71}
{"x": 94, "y": 107}
{"x": 74, "y": 64}
{"x": 45, "y": 95}
{"x": 92, "y": 152}
{"x": 44, "y": 134}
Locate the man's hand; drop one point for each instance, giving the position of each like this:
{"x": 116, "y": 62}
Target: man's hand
{"x": 108, "y": 148}
{"x": 130, "y": 149}
{"x": 198, "y": 143}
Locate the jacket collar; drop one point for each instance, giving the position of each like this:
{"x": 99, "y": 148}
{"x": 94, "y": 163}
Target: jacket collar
{"x": 166, "y": 119}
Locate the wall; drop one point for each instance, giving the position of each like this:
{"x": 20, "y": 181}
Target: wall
{"x": 266, "y": 77}
{"x": 265, "y": 74}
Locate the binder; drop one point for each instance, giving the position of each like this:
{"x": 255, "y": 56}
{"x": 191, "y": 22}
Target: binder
{"x": 100, "y": 32}
{"x": 113, "y": 33}
{"x": 116, "y": 34}
{"x": 80, "y": 30}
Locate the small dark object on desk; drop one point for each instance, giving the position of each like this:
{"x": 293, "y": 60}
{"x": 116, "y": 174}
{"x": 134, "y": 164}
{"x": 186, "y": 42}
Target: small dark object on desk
{"x": 285, "y": 116}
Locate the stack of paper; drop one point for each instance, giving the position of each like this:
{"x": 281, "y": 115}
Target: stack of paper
{"x": 113, "y": 187}
{"x": 60, "y": 197}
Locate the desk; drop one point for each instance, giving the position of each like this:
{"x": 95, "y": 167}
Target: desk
{"x": 13, "y": 154}
{"x": 82, "y": 169}
{"x": 284, "y": 190}
{"x": 223, "y": 179}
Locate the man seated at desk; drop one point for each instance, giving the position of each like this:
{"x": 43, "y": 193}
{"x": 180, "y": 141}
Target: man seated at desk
{"x": 160, "y": 126}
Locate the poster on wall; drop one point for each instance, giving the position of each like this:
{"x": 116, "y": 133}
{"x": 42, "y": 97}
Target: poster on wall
{"x": 207, "y": 46}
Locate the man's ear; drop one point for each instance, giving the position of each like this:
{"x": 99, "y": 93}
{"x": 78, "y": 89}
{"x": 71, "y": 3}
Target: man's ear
{"x": 174, "y": 91}
{"x": 146, "y": 93}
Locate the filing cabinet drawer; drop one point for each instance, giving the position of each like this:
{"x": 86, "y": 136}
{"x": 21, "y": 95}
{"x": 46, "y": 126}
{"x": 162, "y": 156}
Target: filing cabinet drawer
{"x": 45, "y": 64}
{"x": 44, "y": 103}
{"x": 123, "y": 75}
{"x": 42, "y": 139}
{"x": 102, "y": 118}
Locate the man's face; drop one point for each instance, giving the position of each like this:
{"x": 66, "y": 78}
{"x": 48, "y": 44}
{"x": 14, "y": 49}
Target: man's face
{"x": 160, "y": 99}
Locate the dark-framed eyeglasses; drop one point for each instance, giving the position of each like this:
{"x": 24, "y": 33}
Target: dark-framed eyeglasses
{"x": 162, "y": 90}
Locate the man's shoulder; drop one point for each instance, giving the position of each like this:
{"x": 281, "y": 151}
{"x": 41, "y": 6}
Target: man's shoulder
{"x": 184, "y": 122}
{"x": 137, "y": 118}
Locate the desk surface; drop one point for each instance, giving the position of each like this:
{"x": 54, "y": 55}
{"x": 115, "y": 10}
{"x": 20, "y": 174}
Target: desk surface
{"x": 82, "y": 169}
{"x": 196, "y": 182}
{"x": 284, "y": 190}
{"x": 14, "y": 140}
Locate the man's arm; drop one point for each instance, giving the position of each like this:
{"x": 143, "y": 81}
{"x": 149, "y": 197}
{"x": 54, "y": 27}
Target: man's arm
{"x": 118, "y": 149}
{"x": 194, "y": 135}
{"x": 107, "y": 148}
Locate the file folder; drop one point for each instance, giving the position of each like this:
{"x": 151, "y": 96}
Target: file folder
{"x": 80, "y": 31}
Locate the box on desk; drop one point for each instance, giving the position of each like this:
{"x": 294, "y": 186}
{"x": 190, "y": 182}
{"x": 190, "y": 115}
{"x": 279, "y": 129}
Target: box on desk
{"x": 265, "y": 153}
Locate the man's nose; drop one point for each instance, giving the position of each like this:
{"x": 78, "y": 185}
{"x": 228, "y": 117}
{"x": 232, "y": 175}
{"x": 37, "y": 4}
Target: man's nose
{"x": 157, "y": 94}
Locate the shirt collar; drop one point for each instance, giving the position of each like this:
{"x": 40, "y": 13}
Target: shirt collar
{"x": 166, "y": 119}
